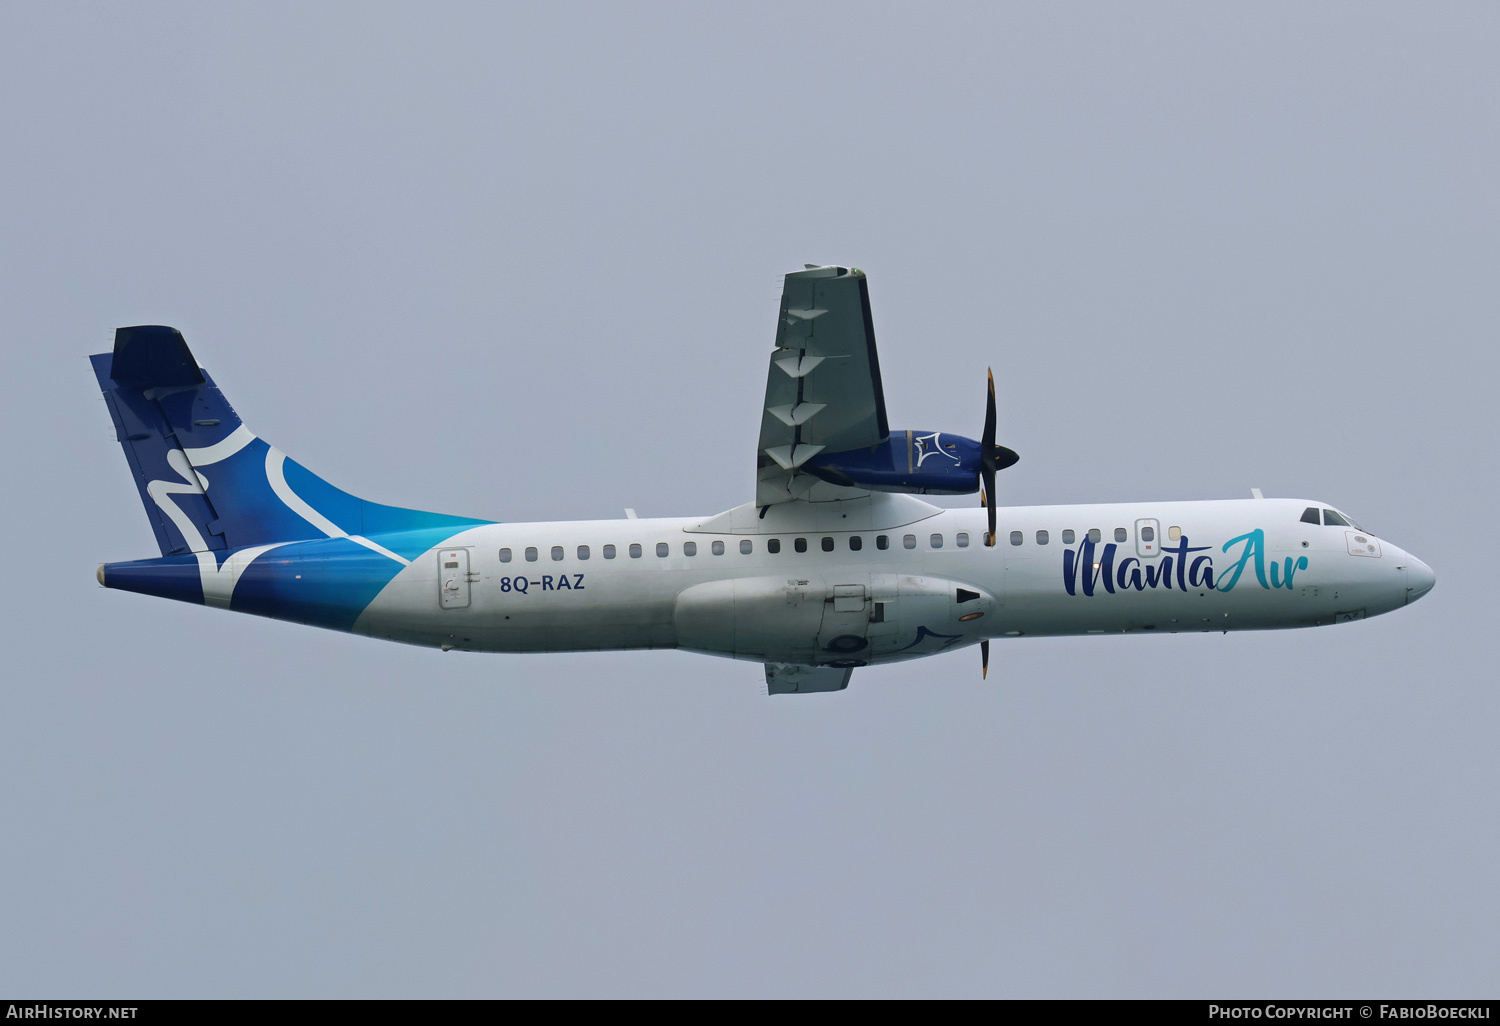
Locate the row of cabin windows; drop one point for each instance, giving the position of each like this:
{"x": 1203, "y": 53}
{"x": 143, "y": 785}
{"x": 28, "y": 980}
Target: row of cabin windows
{"x": 1148, "y": 534}
{"x": 1329, "y": 518}
{"x": 856, "y": 542}
{"x": 773, "y": 546}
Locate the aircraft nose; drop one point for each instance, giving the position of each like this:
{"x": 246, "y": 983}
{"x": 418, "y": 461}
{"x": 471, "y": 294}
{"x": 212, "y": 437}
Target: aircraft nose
{"x": 1419, "y": 579}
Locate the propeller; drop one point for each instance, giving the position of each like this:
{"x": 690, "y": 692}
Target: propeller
{"x": 984, "y": 659}
{"x": 992, "y": 458}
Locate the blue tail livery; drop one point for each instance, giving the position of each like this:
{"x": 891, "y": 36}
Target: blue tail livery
{"x": 218, "y": 497}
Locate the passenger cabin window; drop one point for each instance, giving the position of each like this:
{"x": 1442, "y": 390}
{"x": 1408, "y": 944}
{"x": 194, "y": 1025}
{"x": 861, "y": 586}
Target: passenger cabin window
{"x": 773, "y": 545}
{"x": 609, "y": 552}
{"x": 1174, "y": 533}
{"x": 557, "y": 553}
{"x": 856, "y": 543}
{"x": 583, "y": 552}
{"x": 1148, "y": 533}
{"x": 717, "y": 548}
{"x": 1310, "y": 515}
{"x": 962, "y": 540}
{"x": 635, "y": 550}
{"x": 662, "y": 549}
{"x": 1068, "y": 536}
{"x": 908, "y": 541}
{"x": 827, "y": 544}
{"x": 505, "y": 555}
{"x": 1094, "y": 535}
{"x": 688, "y": 549}
{"x": 936, "y": 541}
{"x": 882, "y": 541}
{"x": 1042, "y": 538}
{"x": 800, "y": 544}
{"x": 1120, "y": 534}
{"x": 1332, "y": 519}
{"x": 531, "y": 553}
{"x": 746, "y": 547}
{"x": 1015, "y": 537}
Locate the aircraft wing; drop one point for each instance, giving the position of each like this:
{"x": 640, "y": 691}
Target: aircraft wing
{"x": 823, "y": 391}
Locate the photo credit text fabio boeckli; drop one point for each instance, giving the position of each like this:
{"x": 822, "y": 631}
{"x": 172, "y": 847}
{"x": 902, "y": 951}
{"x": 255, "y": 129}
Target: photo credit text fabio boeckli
{"x": 1373, "y": 1010}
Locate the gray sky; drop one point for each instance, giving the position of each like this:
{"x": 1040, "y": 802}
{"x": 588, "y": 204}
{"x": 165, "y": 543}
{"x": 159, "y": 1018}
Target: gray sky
{"x": 523, "y": 262}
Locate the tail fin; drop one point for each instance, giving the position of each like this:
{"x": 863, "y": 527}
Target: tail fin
{"x": 207, "y": 482}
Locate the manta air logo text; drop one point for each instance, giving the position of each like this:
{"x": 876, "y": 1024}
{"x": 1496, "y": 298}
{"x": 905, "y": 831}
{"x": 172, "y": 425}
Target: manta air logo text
{"x": 1176, "y": 565}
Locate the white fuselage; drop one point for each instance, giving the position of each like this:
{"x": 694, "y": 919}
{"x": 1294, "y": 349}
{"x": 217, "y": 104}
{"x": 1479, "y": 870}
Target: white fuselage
{"x": 888, "y": 578}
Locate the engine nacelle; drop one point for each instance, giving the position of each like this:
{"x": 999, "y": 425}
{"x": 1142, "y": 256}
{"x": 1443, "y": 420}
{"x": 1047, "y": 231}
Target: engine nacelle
{"x": 919, "y": 462}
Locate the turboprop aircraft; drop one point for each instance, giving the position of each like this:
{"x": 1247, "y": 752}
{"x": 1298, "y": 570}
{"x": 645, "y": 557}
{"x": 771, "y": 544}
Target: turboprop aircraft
{"x": 835, "y": 565}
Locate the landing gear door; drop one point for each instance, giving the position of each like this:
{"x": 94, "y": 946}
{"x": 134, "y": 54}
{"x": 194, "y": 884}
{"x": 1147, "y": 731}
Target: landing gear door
{"x": 846, "y": 620}
{"x": 453, "y": 578}
{"x": 1147, "y": 538}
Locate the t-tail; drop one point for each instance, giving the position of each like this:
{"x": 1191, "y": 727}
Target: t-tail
{"x": 219, "y": 499}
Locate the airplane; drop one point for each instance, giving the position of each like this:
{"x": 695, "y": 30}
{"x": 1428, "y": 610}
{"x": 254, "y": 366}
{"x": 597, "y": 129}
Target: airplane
{"x": 835, "y": 565}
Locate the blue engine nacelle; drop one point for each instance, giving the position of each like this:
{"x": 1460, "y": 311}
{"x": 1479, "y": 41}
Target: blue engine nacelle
{"x": 920, "y": 462}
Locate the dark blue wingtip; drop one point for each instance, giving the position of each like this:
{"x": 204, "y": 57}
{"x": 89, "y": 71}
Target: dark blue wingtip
{"x": 153, "y": 356}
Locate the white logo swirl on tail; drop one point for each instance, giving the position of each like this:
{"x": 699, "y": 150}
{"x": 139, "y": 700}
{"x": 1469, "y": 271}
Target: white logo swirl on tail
{"x": 276, "y": 475}
{"x": 218, "y": 581}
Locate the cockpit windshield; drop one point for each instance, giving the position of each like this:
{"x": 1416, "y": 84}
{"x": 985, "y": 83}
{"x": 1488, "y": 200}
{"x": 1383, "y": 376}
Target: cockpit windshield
{"x": 1328, "y": 518}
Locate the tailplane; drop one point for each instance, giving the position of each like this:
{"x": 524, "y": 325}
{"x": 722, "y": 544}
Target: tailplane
{"x": 207, "y": 482}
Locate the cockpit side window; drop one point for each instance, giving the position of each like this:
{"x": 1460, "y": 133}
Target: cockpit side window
{"x": 1310, "y": 515}
{"x": 1332, "y": 519}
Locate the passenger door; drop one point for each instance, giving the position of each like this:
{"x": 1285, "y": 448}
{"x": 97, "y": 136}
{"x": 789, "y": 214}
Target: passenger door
{"x": 453, "y": 578}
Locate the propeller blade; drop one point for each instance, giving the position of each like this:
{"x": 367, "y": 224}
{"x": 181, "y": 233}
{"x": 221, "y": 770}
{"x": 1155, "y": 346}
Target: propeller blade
{"x": 984, "y": 659}
{"x": 988, "y": 473}
{"x": 987, "y": 466}
{"x": 987, "y": 440}
{"x": 992, "y": 458}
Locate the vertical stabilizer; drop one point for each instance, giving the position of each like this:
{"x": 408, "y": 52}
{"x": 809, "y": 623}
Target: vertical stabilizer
{"x": 207, "y": 482}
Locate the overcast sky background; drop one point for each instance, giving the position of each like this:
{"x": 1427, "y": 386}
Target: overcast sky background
{"x": 523, "y": 262}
